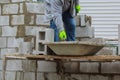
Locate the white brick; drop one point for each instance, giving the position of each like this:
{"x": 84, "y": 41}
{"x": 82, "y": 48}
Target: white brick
{"x": 45, "y": 66}
{"x": 41, "y": 21}
{"x": 14, "y": 65}
{"x": 116, "y": 77}
{"x": 80, "y": 77}
{"x": 3, "y": 42}
{"x": 25, "y": 48}
{"x": 19, "y": 75}
{"x": 40, "y": 76}
{"x": 35, "y": 7}
{"x": 0, "y": 75}
{"x": 7, "y": 51}
{"x": 13, "y": 42}
{"x": 10, "y": 9}
{"x": 10, "y": 75}
{"x": 18, "y": 0}
{"x": 17, "y": 20}
{"x": 110, "y": 67}
{"x": 29, "y": 76}
{"x": 4, "y": 1}
{"x": 4, "y": 20}
{"x": 99, "y": 77}
{"x": 1, "y": 65}
{"x": 0, "y": 9}
{"x": 9, "y": 31}
{"x": 89, "y": 67}
{"x": 53, "y": 76}
{"x": 21, "y": 8}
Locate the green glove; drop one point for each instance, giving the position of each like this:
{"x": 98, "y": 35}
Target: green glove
{"x": 78, "y": 8}
{"x": 62, "y": 35}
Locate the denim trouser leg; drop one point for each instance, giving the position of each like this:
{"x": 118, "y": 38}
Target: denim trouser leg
{"x": 70, "y": 25}
{"x": 53, "y": 26}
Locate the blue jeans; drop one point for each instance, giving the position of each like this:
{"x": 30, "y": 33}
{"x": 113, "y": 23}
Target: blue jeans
{"x": 69, "y": 25}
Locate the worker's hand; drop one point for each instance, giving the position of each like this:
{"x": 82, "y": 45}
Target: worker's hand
{"x": 62, "y": 35}
{"x": 78, "y": 8}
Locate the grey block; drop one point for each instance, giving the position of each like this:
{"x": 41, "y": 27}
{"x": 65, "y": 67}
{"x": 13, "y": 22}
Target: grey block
{"x": 18, "y": 0}
{"x": 4, "y": 1}
{"x": 9, "y": 31}
{"x": 0, "y": 75}
{"x": 71, "y": 67}
{"x": 10, "y": 75}
{"x": 4, "y": 20}
{"x": 1, "y": 65}
{"x": 29, "y": 76}
{"x": 83, "y": 20}
{"x": 89, "y": 67}
{"x": 80, "y": 77}
{"x": 17, "y": 20}
{"x": 21, "y": 7}
{"x": 14, "y": 65}
{"x": 19, "y": 75}
{"x": 84, "y": 32}
{"x": 3, "y": 42}
{"x": 29, "y": 65}
{"x": 40, "y": 76}
{"x": 77, "y": 19}
{"x": 0, "y": 31}
{"x": 53, "y": 76}
{"x": 10, "y": 9}
{"x": 0, "y": 9}
{"x": 110, "y": 67}
{"x": 45, "y": 66}
{"x": 99, "y": 77}
{"x": 5, "y": 51}
{"x": 116, "y": 77}
{"x": 35, "y": 8}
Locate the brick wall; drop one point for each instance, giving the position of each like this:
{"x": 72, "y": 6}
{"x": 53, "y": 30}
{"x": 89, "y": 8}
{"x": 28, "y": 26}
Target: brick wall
{"x": 19, "y": 20}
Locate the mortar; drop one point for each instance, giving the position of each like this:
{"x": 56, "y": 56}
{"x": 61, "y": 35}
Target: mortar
{"x": 74, "y": 48}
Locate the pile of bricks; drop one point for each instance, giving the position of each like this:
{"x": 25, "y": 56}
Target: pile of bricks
{"x": 19, "y": 21}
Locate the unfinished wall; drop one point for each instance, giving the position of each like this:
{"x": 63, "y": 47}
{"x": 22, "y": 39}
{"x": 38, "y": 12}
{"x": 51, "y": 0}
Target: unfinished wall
{"x": 19, "y": 21}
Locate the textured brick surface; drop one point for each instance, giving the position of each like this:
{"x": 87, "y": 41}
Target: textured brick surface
{"x": 18, "y": 0}
{"x": 99, "y": 77}
{"x": 0, "y": 75}
{"x": 0, "y": 9}
{"x": 14, "y": 65}
{"x": 35, "y": 7}
{"x": 0, "y": 31}
{"x": 110, "y": 67}
{"x": 17, "y": 20}
{"x": 71, "y": 67}
{"x": 1, "y": 65}
{"x": 10, "y": 75}
{"x": 44, "y": 66}
{"x": 53, "y": 76}
{"x": 4, "y": 1}
{"x": 80, "y": 77}
{"x": 19, "y": 75}
{"x": 21, "y": 8}
{"x": 12, "y": 42}
{"x": 29, "y": 76}
{"x": 9, "y": 31}
{"x": 29, "y": 65}
{"x": 116, "y": 77}
{"x": 89, "y": 67}
{"x": 10, "y": 9}
{"x": 40, "y": 76}
{"x": 2, "y": 42}
{"x": 4, "y": 20}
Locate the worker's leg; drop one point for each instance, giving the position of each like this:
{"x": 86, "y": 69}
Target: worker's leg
{"x": 53, "y": 26}
{"x": 70, "y": 26}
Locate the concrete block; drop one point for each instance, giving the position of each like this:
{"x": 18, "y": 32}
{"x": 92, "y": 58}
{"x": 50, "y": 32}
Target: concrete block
{"x": 99, "y": 77}
{"x": 4, "y": 1}
{"x": 40, "y": 76}
{"x": 19, "y": 75}
{"x": 83, "y": 20}
{"x": 0, "y": 31}
{"x": 35, "y": 8}
{"x": 84, "y": 32}
{"x": 46, "y": 66}
{"x": 116, "y": 77}
{"x": 71, "y": 67}
{"x": 29, "y": 65}
{"x": 77, "y": 19}
{"x": 18, "y": 0}
{"x": 29, "y": 76}
{"x": 20, "y": 31}
{"x": 80, "y": 77}
{"x": 17, "y": 20}
{"x": 29, "y": 19}
{"x": 0, "y": 9}
{"x": 1, "y": 65}
{"x": 30, "y": 30}
{"x": 10, "y": 9}
{"x": 7, "y": 51}
{"x": 89, "y": 67}
{"x": 4, "y": 20}
{"x": 53, "y": 76}
{"x": 0, "y": 75}
{"x": 9, "y": 31}
{"x": 21, "y": 7}
{"x": 10, "y": 75}
{"x": 25, "y": 48}
{"x": 13, "y": 42}
{"x": 41, "y": 21}
{"x": 3, "y": 42}
{"x": 110, "y": 67}
{"x": 14, "y": 65}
